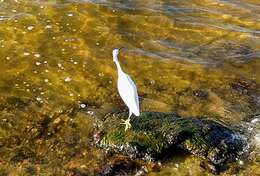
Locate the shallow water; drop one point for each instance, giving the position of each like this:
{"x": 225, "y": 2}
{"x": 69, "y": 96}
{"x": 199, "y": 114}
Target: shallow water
{"x": 196, "y": 58}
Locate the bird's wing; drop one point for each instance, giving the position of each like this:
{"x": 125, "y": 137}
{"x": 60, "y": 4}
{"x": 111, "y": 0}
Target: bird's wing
{"x": 128, "y": 93}
{"x": 135, "y": 93}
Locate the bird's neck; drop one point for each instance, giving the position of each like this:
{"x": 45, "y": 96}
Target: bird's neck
{"x": 119, "y": 69}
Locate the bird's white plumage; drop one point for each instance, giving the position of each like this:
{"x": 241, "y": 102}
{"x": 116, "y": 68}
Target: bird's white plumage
{"x": 127, "y": 90}
{"x": 128, "y": 93}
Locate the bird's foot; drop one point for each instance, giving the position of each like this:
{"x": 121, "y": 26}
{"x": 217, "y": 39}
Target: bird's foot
{"x": 126, "y": 123}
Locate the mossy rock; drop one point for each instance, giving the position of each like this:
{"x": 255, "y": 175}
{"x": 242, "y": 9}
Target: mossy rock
{"x": 154, "y": 133}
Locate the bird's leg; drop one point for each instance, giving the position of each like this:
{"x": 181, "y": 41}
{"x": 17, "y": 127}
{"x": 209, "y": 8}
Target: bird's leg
{"x": 127, "y": 122}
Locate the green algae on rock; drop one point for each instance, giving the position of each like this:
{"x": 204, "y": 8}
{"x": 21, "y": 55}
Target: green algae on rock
{"x": 154, "y": 133}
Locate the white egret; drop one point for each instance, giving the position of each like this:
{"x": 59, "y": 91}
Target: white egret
{"x": 127, "y": 90}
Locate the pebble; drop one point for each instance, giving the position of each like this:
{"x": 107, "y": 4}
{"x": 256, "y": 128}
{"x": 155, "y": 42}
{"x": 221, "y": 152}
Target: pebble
{"x": 90, "y": 112}
{"x": 82, "y": 105}
{"x": 38, "y": 98}
{"x": 37, "y": 55}
{"x": 26, "y": 54}
{"x": 48, "y": 26}
{"x": 254, "y": 120}
{"x": 30, "y": 28}
{"x": 67, "y": 79}
{"x": 37, "y": 63}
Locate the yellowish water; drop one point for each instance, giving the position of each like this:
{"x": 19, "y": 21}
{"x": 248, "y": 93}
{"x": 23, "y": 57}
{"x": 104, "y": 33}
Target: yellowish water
{"x": 196, "y": 58}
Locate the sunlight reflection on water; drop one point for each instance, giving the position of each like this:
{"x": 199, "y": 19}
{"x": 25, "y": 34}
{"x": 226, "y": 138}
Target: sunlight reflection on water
{"x": 197, "y": 58}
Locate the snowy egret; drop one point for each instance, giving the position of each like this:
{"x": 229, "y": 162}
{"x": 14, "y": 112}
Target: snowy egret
{"x": 127, "y": 90}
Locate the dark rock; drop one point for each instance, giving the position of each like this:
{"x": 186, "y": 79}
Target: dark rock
{"x": 153, "y": 134}
{"x": 244, "y": 87}
{"x": 119, "y": 165}
{"x": 14, "y": 102}
{"x": 201, "y": 94}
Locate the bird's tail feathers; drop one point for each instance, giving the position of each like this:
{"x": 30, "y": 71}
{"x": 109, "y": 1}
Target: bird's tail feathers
{"x": 137, "y": 113}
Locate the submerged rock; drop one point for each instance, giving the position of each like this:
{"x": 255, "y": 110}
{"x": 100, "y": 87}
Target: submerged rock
{"x": 153, "y": 134}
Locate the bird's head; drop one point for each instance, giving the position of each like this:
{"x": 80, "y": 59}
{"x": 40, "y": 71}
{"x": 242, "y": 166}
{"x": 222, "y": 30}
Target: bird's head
{"x": 115, "y": 54}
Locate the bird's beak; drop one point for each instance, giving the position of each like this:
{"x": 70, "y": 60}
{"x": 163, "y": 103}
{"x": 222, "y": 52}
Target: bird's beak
{"x": 120, "y": 48}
